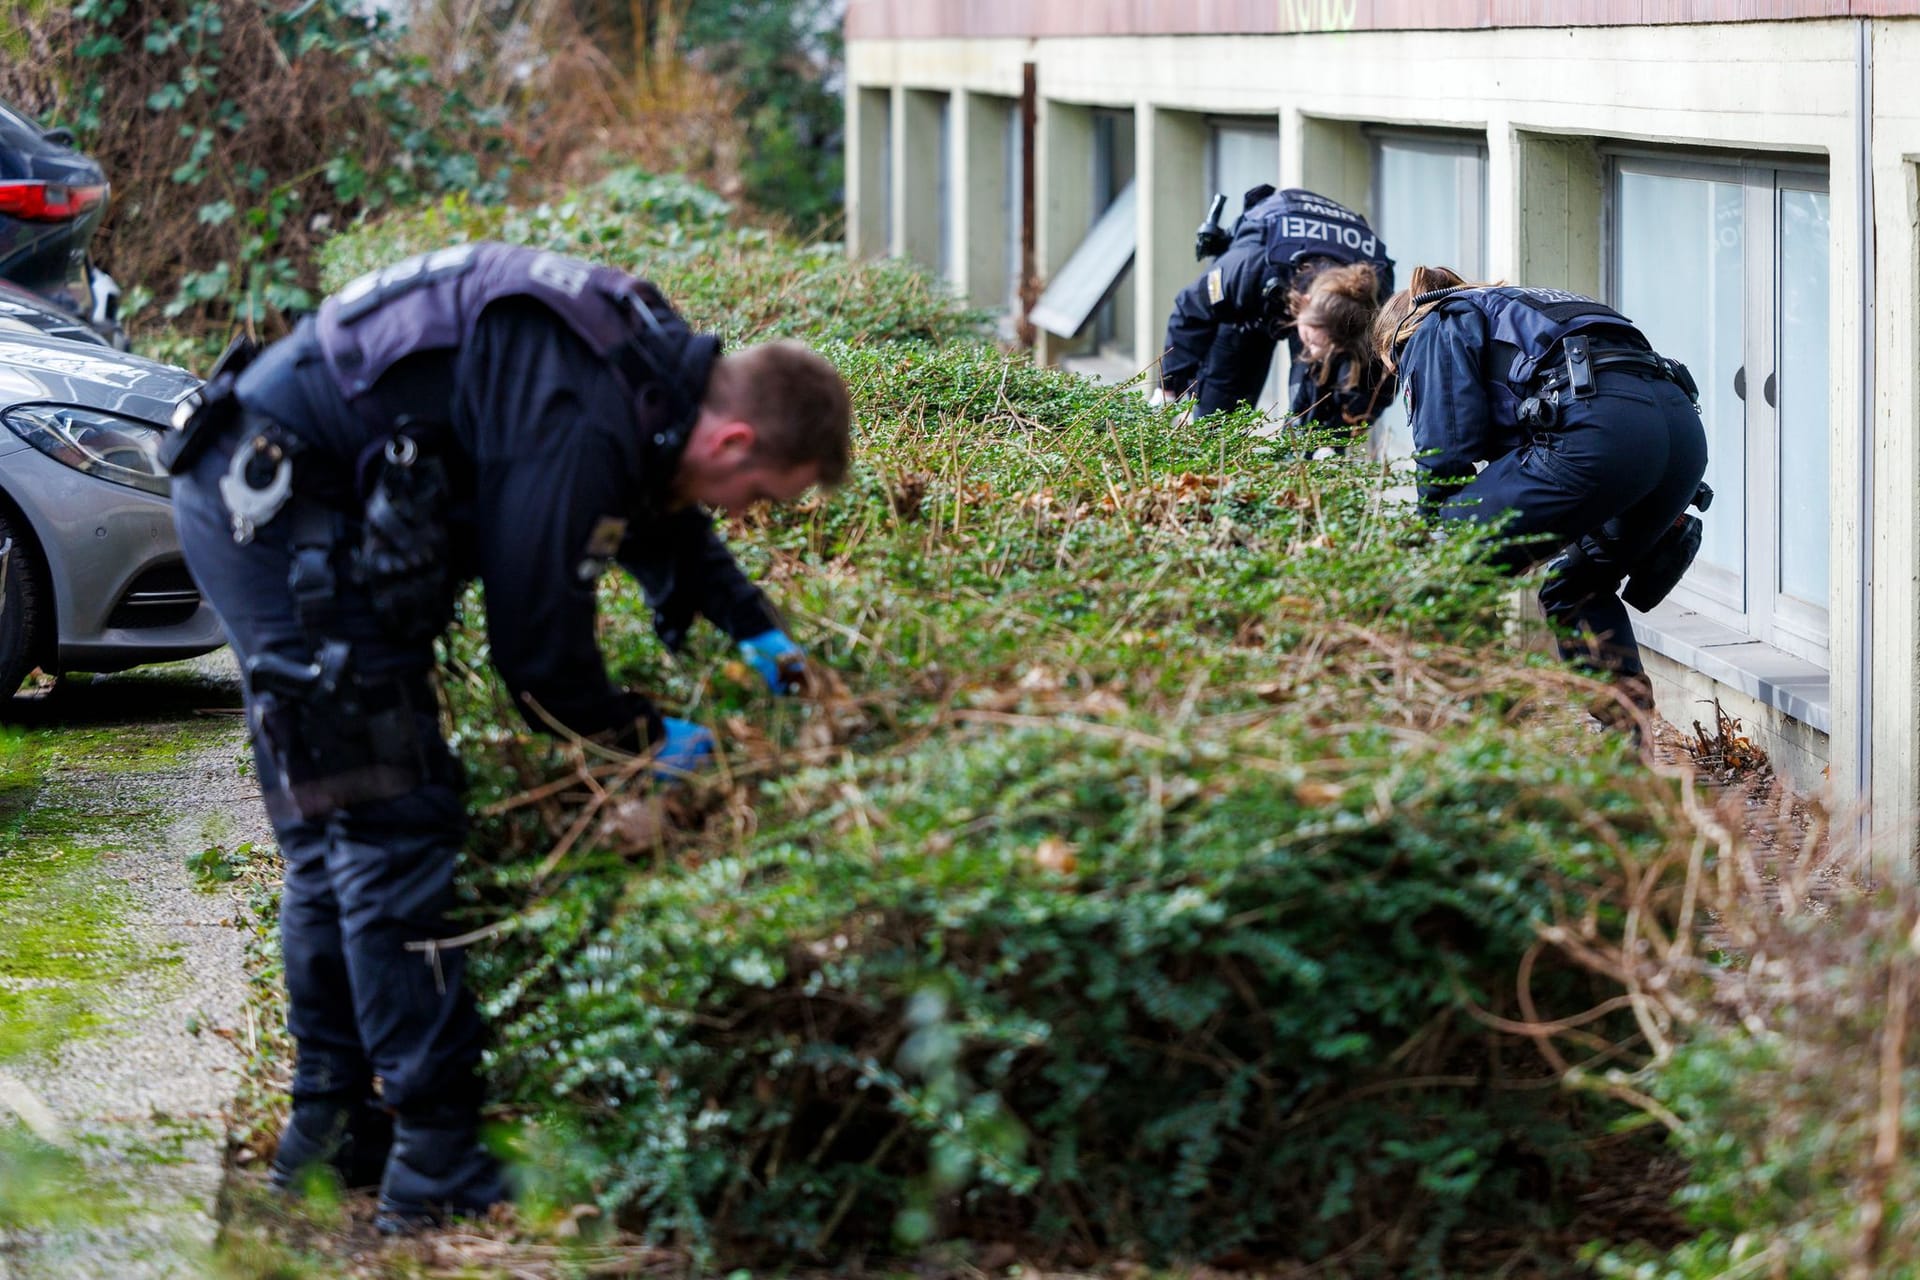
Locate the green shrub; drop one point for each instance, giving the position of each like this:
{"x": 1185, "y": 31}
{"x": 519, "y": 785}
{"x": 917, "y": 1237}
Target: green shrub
{"x": 1172, "y": 807}
{"x": 743, "y": 283}
{"x": 1794, "y": 1081}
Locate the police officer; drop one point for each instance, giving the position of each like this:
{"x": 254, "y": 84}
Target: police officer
{"x": 1225, "y": 325}
{"x": 486, "y": 411}
{"x": 1592, "y": 444}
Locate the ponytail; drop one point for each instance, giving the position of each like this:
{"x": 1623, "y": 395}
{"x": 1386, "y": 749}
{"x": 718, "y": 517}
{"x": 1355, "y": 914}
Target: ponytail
{"x": 1401, "y": 315}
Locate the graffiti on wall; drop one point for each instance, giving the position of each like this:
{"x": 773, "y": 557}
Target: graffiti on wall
{"x": 1319, "y": 15}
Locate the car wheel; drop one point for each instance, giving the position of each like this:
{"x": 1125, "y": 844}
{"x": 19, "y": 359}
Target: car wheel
{"x": 22, "y": 609}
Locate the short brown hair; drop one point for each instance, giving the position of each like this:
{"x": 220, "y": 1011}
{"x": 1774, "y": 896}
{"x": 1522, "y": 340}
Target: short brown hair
{"x": 796, "y": 402}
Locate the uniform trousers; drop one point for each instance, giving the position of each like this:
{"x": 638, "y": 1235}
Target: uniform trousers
{"x": 1594, "y": 493}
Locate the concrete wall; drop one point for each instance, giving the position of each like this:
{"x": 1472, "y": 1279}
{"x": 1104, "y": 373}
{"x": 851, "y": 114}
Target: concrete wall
{"x": 1546, "y": 100}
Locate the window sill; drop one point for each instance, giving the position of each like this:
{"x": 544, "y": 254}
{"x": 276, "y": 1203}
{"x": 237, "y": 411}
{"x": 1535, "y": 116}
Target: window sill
{"x": 1788, "y": 684}
{"x": 1108, "y": 366}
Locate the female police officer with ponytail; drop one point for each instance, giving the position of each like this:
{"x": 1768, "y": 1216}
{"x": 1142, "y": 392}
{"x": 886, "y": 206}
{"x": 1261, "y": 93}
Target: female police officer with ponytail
{"x": 1591, "y": 441}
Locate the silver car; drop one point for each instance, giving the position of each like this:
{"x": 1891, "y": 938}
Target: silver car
{"x": 92, "y": 577}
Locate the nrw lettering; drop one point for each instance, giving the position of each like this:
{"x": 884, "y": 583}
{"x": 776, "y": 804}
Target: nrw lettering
{"x": 1320, "y": 15}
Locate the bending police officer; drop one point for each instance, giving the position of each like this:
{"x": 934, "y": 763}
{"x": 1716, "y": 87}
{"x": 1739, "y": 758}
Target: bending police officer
{"x": 1225, "y": 326}
{"x": 488, "y": 411}
{"x": 1592, "y": 444}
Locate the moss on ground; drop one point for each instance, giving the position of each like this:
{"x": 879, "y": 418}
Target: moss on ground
{"x": 63, "y": 942}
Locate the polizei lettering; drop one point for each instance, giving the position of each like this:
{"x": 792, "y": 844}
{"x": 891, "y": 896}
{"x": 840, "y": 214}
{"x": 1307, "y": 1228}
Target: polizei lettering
{"x": 1359, "y": 240}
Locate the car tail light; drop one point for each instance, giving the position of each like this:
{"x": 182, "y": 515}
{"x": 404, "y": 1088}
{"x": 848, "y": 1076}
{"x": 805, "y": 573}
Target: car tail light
{"x": 35, "y": 201}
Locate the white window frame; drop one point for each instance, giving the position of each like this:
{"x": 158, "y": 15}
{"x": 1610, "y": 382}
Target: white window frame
{"x": 1750, "y": 602}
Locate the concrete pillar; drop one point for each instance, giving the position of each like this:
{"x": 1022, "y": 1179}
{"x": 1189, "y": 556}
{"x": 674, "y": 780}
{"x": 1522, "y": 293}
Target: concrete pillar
{"x": 1503, "y": 203}
{"x": 1171, "y": 168}
{"x": 1895, "y": 781}
{"x": 1063, "y": 201}
{"x": 869, "y": 170}
{"x": 1333, "y": 158}
{"x": 1561, "y": 193}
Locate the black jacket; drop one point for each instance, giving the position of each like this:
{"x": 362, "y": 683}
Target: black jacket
{"x": 558, "y": 469}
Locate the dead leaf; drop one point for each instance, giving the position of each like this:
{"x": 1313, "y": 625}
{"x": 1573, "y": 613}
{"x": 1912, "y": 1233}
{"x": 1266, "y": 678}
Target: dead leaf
{"x": 636, "y": 824}
{"x": 1056, "y": 855}
{"x": 1318, "y": 794}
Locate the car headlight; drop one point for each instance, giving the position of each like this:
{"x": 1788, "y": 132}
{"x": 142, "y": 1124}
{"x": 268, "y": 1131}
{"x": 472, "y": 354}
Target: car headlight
{"x": 113, "y": 448}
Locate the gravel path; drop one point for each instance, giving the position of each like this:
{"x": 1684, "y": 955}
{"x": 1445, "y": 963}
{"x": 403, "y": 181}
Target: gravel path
{"x": 141, "y": 1097}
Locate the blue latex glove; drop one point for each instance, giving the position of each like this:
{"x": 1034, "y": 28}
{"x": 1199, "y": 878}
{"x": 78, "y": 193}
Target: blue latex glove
{"x": 684, "y": 750}
{"x": 777, "y": 658}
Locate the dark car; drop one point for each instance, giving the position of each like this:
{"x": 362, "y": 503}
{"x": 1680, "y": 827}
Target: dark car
{"x": 52, "y": 199}
{"x": 93, "y": 579}
{"x": 23, "y": 311}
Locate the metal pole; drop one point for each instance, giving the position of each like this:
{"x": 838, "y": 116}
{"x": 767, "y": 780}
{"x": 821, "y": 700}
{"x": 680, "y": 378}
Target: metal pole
{"x": 1029, "y": 269}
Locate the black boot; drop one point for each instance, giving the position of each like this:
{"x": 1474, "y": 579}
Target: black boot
{"x": 437, "y": 1170}
{"x": 349, "y": 1137}
{"x": 1627, "y": 708}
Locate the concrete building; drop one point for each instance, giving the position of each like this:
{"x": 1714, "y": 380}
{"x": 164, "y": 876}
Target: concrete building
{"x": 1739, "y": 176}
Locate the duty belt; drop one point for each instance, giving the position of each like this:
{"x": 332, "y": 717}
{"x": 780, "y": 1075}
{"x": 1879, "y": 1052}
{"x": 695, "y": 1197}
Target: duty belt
{"x": 1583, "y": 361}
{"x": 1574, "y": 378}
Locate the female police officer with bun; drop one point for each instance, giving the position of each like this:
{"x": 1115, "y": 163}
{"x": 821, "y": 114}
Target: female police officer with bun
{"x": 1292, "y": 254}
{"x": 1592, "y": 445}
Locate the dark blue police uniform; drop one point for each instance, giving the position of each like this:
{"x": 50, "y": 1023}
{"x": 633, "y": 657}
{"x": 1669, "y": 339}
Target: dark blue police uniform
{"x": 486, "y": 412}
{"x": 1592, "y": 443}
{"x": 1225, "y": 326}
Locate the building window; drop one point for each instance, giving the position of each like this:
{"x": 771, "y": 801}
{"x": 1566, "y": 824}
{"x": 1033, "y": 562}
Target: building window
{"x": 924, "y": 173}
{"x": 1112, "y": 177}
{"x": 945, "y": 266}
{"x": 1726, "y": 267}
{"x": 1430, "y": 201}
{"x": 1430, "y": 206}
{"x": 1012, "y": 206}
{"x": 1240, "y": 154}
{"x": 874, "y": 232}
{"x": 1243, "y": 153}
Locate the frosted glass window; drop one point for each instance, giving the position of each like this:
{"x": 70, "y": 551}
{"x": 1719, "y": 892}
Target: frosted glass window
{"x": 1680, "y": 264}
{"x": 1725, "y": 266}
{"x": 943, "y": 193}
{"x": 1242, "y": 155}
{"x": 1238, "y": 157}
{"x": 1113, "y": 143}
{"x": 1429, "y": 201}
{"x": 1804, "y": 381}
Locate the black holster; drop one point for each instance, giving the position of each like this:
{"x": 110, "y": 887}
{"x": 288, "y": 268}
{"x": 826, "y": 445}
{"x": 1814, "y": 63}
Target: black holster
{"x": 335, "y": 737}
{"x": 1660, "y": 570}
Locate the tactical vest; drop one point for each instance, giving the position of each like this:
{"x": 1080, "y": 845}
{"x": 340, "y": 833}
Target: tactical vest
{"x": 1295, "y": 225}
{"x": 1526, "y": 326}
{"x": 431, "y": 302}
